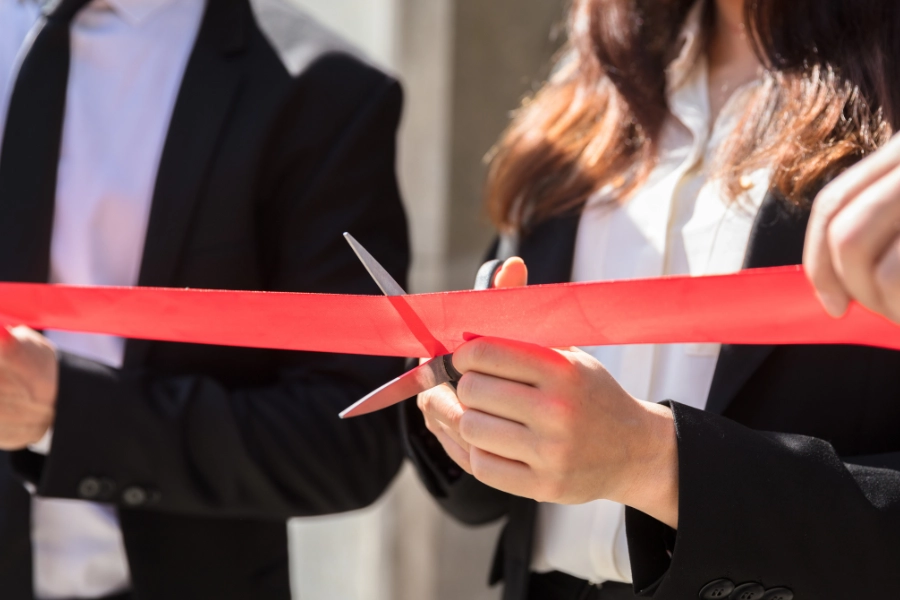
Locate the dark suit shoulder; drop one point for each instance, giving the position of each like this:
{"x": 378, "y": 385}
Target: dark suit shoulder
{"x": 300, "y": 41}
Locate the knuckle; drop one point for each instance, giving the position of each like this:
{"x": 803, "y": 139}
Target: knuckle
{"x": 845, "y": 239}
{"x": 454, "y": 419}
{"x": 424, "y": 402}
{"x": 475, "y": 352}
{"x": 467, "y": 425}
{"x": 826, "y": 202}
{"x": 887, "y": 277}
{"x": 567, "y": 368}
{"x": 432, "y": 426}
{"x": 556, "y": 455}
{"x": 478, "y": 466}
{"x": 558, "y": 414}
{"x": 572, "y": 372}
{"x": 466, "y": 386}
{"x": 550, "y": 489}
{"x": 462, "y": 356}
{"x": 435, "y": 401}
{"x": 440, "y": 414}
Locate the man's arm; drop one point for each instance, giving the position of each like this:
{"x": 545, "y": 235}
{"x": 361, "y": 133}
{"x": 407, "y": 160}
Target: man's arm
{"x": 194, "y": 444}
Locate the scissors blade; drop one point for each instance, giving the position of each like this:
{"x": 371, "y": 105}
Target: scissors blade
{"x": 429, "y": 374}
{"x": 424, "y": 377}
{"x": 384, "y": 280}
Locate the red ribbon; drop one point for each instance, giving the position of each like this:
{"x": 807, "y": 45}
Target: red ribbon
{"x": 764, "y": 306}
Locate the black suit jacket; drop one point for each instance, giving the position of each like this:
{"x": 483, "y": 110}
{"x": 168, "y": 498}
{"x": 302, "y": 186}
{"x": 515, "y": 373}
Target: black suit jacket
{"x": 791, "y": 477}
{"x": 281, "y": 140}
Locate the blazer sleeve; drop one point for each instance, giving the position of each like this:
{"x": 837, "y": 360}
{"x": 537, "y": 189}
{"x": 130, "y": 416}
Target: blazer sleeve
{"x": 194, "y": 444}
{"x": 770, "y": 512}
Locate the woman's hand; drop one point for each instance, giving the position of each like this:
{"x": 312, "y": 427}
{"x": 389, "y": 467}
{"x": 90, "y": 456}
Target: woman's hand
{"x": 441, "y": 406}
{"x": 553, "y": 425}
{"x": 853, "y": 240}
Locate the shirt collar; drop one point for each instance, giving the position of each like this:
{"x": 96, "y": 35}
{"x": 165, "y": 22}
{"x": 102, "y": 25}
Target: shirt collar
{"x": 691, "y": 41}
{"x": 134, "y": 12}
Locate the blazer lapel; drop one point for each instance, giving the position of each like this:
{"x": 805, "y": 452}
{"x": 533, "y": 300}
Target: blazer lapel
{"x": 776, "y": 240}
{"x": 201, "y": 109}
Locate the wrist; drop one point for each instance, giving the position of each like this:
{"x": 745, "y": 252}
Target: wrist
{"x": 652, "y": 471}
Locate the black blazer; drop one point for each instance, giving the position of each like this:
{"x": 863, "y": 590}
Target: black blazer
{"x": 281, "y": 140}
{"x": 773, "y": 490}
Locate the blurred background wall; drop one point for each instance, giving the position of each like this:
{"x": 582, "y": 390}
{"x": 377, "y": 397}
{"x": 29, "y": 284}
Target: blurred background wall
{"x": 464, "y": 65}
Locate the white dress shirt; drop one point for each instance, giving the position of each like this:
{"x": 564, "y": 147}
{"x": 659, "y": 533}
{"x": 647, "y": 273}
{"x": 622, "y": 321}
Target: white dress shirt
{"x": 127, "y": 61}
{"x": 679, "y": 222}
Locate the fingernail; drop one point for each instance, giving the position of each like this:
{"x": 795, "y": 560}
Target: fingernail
{"x": 835, "y": 304}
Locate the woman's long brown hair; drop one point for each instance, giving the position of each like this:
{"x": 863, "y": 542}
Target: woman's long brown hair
{"x": 827, "y": 99}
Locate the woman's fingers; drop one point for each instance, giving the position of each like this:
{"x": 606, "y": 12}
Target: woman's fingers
{"x": 503, "y": 398}
{"x": 437, "y": 427}
{"x": 498, "y": 436}
{"x": 443, "y": 412}
{"x": 507, "y": 359}
{"x": 861, "y": 233}
{"x": 454, "y": 450}
{"x": 820, "y": 270}
{"x": 442, "y": 408}
{"x": 503, "y": 474}
{"x": 818, "y": 258}
{"x": 887, "y": 276}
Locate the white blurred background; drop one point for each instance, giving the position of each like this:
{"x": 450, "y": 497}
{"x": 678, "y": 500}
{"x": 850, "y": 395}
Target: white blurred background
{"x": 464, "y": 65}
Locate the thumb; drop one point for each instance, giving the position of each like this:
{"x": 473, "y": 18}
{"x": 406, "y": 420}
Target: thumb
{"x": 513, "y": 273}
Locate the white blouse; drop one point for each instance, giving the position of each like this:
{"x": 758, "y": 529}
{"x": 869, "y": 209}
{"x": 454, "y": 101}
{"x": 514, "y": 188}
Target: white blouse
{"x": 678, "y": 223}
{"x": 127, "y": 62}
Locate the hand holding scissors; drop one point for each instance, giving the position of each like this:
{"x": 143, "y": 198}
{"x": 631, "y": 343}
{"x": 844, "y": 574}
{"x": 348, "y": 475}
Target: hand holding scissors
{"x": 548, "y": 424}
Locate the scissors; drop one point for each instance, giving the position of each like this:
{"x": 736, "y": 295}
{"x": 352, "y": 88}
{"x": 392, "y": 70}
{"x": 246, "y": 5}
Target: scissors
{"x": 429, "y": 374}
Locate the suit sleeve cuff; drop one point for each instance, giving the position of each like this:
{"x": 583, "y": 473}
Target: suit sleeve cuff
{"x": 75, "y": 468}
{"x": 744, "y": 500}
{"x": 43, "y": 445}
{"x": 666, "y": 563}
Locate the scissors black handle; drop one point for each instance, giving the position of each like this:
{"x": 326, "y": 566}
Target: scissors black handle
{"x": 484, "y": 280}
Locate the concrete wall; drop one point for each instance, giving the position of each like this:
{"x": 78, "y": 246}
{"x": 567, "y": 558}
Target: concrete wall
{"x": 465, "y": 65}
{"x": 502, "y": 52}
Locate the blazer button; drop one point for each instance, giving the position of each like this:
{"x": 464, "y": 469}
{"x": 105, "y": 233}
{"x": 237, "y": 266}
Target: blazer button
{"x": 720, "y": 588}
{"x": 748, "y": 591}
{"x": 89, "y": 488}
{"x": 781, "y": 593}
{"x": 107, "y": 489}
{"x": 134, "y": 496}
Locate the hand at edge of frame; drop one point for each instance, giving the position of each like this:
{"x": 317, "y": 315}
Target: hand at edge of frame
{"x": 29, "y": 376}
{"x": 852, "y": 249}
